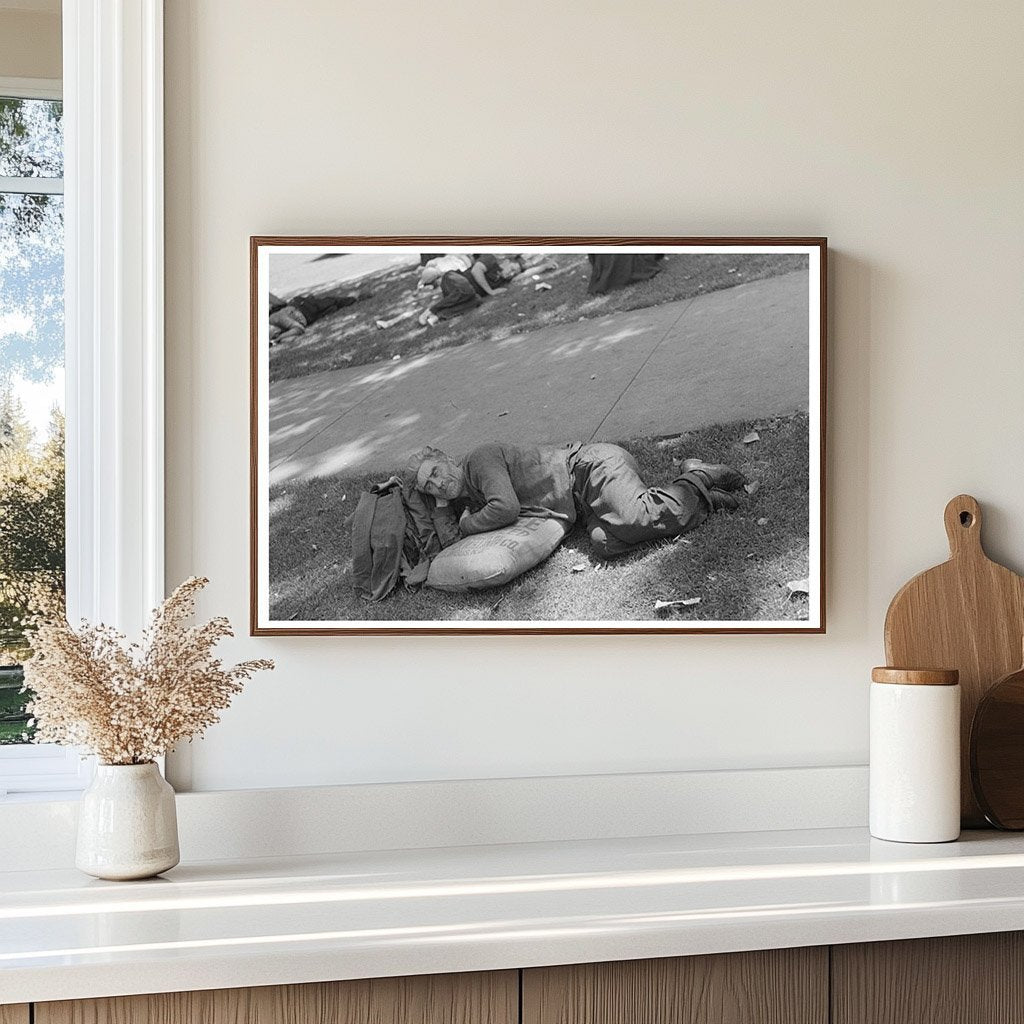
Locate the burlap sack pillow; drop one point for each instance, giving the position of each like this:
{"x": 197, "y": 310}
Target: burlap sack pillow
{"x": 491, "y": 559}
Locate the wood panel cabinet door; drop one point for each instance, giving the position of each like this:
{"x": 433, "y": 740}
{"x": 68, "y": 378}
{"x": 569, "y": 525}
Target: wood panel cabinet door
{"x": 14, "y": 1014}
{"x": 777, "y": 986}
{"x": 481, "y": 998}
{"x": 962, "y": 979}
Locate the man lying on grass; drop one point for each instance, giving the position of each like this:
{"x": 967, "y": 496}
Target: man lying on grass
{"x": 464, "y": 289}
{"x": 498, "y": 483}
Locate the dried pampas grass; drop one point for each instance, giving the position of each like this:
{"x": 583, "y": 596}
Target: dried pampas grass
{"x": 130, "y": 703}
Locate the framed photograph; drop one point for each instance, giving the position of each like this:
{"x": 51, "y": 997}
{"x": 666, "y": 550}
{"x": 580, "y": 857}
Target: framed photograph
{"x": 537, "y": 435}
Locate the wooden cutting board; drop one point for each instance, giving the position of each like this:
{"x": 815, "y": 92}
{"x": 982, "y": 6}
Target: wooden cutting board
{"x": 967, "y": 614}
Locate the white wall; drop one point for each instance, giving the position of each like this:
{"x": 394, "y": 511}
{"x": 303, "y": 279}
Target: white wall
{"x": 895, "y": 129}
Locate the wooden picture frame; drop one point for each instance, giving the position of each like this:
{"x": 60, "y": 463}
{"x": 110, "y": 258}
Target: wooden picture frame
{"x": 660, "y": 350}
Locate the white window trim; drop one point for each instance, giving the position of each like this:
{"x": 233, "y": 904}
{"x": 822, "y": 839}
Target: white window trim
{"x": 42, "y": 768}
{"x": 113, "y": 168}
{"x": 31, "y": 186}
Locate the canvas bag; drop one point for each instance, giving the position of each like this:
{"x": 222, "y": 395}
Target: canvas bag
{"x": 496, "y": 557}
{"x": 378, "y": 534}
{"x": 395, "y": 533}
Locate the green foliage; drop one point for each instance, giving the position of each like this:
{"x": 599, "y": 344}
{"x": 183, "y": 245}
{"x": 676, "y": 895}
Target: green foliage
{"x": 31, "y": 346}
{"x": 32, "y": 546}
{"x": 14, "y": 726}
{"x": 31, "y": 138}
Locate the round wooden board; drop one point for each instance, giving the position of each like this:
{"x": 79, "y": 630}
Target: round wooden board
{"x": 997, "y": 752}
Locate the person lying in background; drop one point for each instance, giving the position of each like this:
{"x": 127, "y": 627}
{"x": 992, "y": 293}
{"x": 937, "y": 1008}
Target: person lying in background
{"x": 434, "y": 269}
{"x": 290, "y": 317}
{"x": 463, "y": 290}
{"x": 498, "y": 483}
{"x": 536, "y": 263}
{"x": 487, "y": 276}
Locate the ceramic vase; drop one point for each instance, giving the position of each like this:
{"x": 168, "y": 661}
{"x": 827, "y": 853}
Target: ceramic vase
{"x": 127, "y": 825}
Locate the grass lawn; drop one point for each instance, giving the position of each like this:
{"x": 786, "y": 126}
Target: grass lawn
{"x": 351, "y": 337}
{"x": 737, "y": 563}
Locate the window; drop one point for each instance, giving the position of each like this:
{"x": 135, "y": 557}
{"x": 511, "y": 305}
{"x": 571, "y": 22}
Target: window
{"x": 32, "y": 533}
{"x": 113, "y": 330}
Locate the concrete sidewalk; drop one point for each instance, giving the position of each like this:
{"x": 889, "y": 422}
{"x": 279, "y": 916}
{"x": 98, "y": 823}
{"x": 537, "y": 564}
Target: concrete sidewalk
{"x": 735, "y": 354}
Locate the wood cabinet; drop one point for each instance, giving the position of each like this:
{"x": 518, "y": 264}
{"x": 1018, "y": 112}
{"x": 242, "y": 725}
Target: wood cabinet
{"x": 962, "y": 979}
{"x": 481, "y": 998}
{"x": 967, "y": 979}
{"x": 776, "y": 986}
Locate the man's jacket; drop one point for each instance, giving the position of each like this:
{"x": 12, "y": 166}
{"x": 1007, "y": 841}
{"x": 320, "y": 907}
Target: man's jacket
{"x": 505, "y": 482}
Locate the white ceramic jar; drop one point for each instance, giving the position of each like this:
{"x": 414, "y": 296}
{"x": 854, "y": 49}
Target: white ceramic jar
{"x": 127, "y": 823}
{"x": 915, "y": 755}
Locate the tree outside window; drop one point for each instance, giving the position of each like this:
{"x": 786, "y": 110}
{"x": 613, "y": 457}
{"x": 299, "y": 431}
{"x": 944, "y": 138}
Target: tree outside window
{"x": 32, "y": 545}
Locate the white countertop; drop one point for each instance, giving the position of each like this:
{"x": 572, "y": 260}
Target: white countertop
{"x": 227, "y": 924}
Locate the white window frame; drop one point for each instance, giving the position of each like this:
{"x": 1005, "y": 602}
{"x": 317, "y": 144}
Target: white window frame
{"x": 37, "y": 767}
{"x": 114, "y": 348}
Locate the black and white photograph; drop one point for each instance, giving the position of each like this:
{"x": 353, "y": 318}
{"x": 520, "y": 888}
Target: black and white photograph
{"x": 537, "y": 435}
